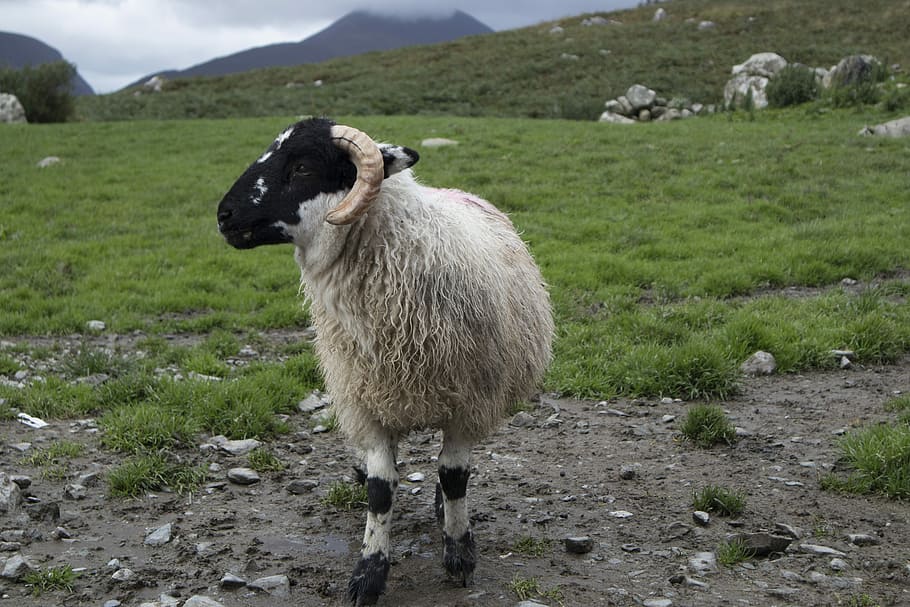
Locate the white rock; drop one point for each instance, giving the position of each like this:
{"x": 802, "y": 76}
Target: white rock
{"x": 47, "y": 162}
{"x": 823, "y": 550}
{"x": 437, "y": 142}
{"x": 703, "y": 563}
{"x": 416, "y": 477}
{"x": 274, "y": 585}
{"x": 11, "y": 110}
{"x": 760, "y": 363}
{"x": 614, "y": 118}
{"x": 17, "y": 566}
{"x": 620, "y": 514}
{"x": 243, "y": 476}
{"x": 123, "y": 575}
{"x": 657, "y": 603}
{"x": 235, "y": 447}
{"x": 894, "y": 128}
{"x": 659, "y": 15}
{"x": 95, "y": 325}
{"x": 199, "y": 600}
{"x": 160, "y": 536}
{"x": 31, "y": 422}
{"x": 761, "y": 64}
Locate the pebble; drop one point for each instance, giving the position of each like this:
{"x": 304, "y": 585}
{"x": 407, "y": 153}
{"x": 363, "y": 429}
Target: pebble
{"x": 437, "y": 142}
{"x": 17, "y": 566}
{"x": 702, "y": 563}
{"x": 788, "y": 530}
{"x": 701, "y": 517}
{"x": 274, "y": 585}
{"x": 657, "y": 603}
{"x": 123, "y": 575}
{"x": 416, "y": 477}
{"x": 679, "y": 578}
{"x": 823, "y": 550}
{"x": 243, "y": 476}
{"x": 628, "y": 472}
{"x": 838, "y": 564}
{"x": 579, "y": 544}
{"x": 668, "y": 418}
{"x": 313, "y": 402}
{"x": 159, "y": 536}
{"x": 762, "y": 544}
{"x": 95, "y": 325}
{"x": 199, "y": 600}
{"x": 530, "y": 604}
{"x": 74, "y": 491}
{"x": 522, "y": 419}
{"x": 229, "y": 580}
{"x": 235, "y": 447}
{"x": 298, "y": 487}
{"x": 862, "y": 539}
{"x": 760, "y": 363}
{"x": 620, "y": 514}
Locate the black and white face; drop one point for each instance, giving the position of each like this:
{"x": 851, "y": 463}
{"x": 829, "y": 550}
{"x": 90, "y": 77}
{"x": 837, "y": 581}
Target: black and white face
{"x": 290, "y": 188}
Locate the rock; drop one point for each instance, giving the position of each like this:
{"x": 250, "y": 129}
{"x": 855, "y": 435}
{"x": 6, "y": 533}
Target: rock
{"x": 314, "y": 402}
{"x": 556, "y": 30}
{"x": 838, "y": 564}
{"x": 31, "y": 422}
{"x": 703, "y": 563}
{"x": 229, "y": 580}
{"x": 628, "y": 472}
{"x": 761, "y": 64}
{"x": 10, "y": 495}
{"x": 154, "y": 84}
{"x": 579, "y": 544}
{"x": 657, "y": 603}
{"x": 614, "y": 118}
{"x": 17, "y": 566}
{"x": 235, "y": 447}
{"x": 416, "y": 477}
{"x": 788, "y": 530}
{"x": 95, "y": 325}
{"x": 742, "y": 86}
{"x": 852, "y": 70}
{"x": 123, "y": 575}
{"x": 48, "y": 161}
{"x": 894, "y": 128}
{"x": 598, "y": 20}
{"x": 762, "y": 544}
{"x": 530, "y": 604}
{"x": 522, "y": 419}
{"x": 160, "y": 536}
{"x": 298, "y": 487}
{"x": 437, "y": 142}
{"x": 676, "y": 530}
{"x": 823, "y": 550}
{"x": 706, "y": 25}
{"x": 112, "y": 603}
{"x": 199, "y": 600}
{"x": 274, "y": 585}
{"x": 862, "y": 539}
{"x": 782, "y": 593}
{"x": 701, "y": 517}
{"x": 760, "y": 363}
{"x": 688, "y": 581}
{"x": 640, "y": 97}
{"x": 11, "y": 110}
{"x": 74, "y": 491}
{"x": 835, "y": 582}
{"x": 243, "y": 476}
{"x": 659, "y": 15}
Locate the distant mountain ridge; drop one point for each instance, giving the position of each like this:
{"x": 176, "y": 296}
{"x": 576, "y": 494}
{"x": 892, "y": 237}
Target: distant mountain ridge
{"x": 18, "y": 51}
{"x": 355, "y": 33}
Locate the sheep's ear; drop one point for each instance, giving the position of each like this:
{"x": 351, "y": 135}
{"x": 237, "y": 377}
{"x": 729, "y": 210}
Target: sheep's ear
{"x": 397, "y": 158}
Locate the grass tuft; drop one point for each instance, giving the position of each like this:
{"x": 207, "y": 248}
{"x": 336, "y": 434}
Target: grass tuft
{"x": 722, "y": 501}
{"x": 51, "y": 579}
{"x": 144, "y": 473}
{"x": 707, "y": 425}
{"x": 263, "y": 460}
{"x": 878, "y": 459}
{"x": 530, "y": 546}
{"x": 733, "y": 552}
{"x": 345, "y": 496}
{"x": 54, "y": 460}
{"x": 529, "y": 588}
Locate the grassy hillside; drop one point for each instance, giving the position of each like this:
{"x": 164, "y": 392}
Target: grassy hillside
{"x": 524, "y": 72}
{"x": 669, "y": 254}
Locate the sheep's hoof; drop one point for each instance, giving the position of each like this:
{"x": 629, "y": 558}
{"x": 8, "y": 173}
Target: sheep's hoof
{"x": 459, "y": 557}
{"x": 368, "y": 580}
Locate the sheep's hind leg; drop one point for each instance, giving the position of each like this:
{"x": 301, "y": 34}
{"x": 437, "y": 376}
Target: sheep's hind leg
{"x": 459, "y": 555}
{"x": 369, "y": 577}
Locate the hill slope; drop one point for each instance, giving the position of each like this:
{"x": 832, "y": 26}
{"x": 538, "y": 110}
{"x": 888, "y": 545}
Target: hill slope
{"x": 535, "y": 73}
{"x": 355, "y": 33}
{"x": 17, "y": 51}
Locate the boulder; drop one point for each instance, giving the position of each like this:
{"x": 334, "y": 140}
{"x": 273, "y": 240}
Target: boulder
{"x": 894, "y": 128}
{"x": 852, "y": 70}
{"x": 11, "y": 110}
{"x": 641, "y": 97}
{"x": 738, "y": 89}
{"x": 761, "y": 64}
{"x": 614, "y": 118}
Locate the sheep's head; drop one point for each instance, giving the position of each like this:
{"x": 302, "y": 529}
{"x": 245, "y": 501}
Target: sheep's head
{"x": 300, "y": 179}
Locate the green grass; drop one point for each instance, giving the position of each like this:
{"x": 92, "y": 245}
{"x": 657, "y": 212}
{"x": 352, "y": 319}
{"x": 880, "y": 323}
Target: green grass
{"x": 263, "y": 460}
{"x": 467, "y": 77}
{"x": 51, "y": 579}
{"x": 345, "y": 496}
{"x": 734, "y": 552}
{"x": 720, "y": 500}
{"x": 707, "y": 425}
{"x": 668, "y": 251}
{"x": 54, "y": 460}
{"x": 530, "y": 588}
{"x": 530, "y": 546}
{"x": 143, "y": 473}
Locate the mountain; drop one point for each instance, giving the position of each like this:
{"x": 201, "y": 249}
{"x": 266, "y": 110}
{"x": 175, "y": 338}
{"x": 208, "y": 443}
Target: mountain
{"x": 17, "y": 51}
{"x": 355, "y": 33}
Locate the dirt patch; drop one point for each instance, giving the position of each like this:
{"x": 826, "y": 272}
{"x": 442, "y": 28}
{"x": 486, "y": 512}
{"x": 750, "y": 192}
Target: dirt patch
{"x": 559, "y": 476}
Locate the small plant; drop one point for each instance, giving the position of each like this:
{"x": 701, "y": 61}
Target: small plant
{"x": 530, "y": 546}
{"x": 792, "y": 85}
{"x": 48, "y": 580}
{"x": 820, "y": 527}
{"x": 54, "y": 459}
{"x": 901, "y": 406}
{"x": 345, "y": 496}
{"x": 862, "y": 600}
{"x": 151, "y": 473}
{"x": 724, "y": 502}
{"x": 707, "y": 425}
{"x": 263, "y": 460}
{"x": 733, "y": 552}
{"x": 8, "y": 365}
{"x": 529, "y": 588}
{"x": 879, "y": 460}
{"x": 88, "y": 360}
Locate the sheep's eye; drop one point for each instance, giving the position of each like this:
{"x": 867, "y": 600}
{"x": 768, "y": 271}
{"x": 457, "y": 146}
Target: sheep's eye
{"x": 300, "y": 170}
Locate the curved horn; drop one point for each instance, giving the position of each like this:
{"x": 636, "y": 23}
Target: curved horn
{"x": 370, "y": 172}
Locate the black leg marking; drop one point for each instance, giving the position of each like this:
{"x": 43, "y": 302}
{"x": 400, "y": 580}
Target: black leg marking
{"x": 379, "y": 495}
{"x": 368, "y": 580}
{"x": 360, "y": 475}
{"x": 454, "y": 481}
{"x": 439, "y": 506}
{"x": 459, "y": 557}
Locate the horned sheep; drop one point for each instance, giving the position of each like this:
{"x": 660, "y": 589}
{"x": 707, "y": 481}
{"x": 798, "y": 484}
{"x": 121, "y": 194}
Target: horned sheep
{"x": 429, "y": 311}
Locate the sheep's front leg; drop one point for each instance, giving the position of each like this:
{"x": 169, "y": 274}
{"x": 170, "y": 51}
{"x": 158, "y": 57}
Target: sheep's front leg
{"x": 459, "y": 556}
{"x": 369, "y": 577}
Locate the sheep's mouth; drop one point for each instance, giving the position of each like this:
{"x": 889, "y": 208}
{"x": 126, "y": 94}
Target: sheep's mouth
{"x": 250, "y": 237}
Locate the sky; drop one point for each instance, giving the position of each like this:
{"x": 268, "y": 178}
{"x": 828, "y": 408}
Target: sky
{"x": 115, "y": 42}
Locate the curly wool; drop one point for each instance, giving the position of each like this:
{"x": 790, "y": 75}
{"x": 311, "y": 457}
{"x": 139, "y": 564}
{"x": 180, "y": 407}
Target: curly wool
{"x": 432, "y": 315}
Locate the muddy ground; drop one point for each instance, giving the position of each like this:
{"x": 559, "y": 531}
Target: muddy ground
{"x": 559, "y": 476}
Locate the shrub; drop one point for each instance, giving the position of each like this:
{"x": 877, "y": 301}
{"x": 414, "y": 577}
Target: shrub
{"x": 45, "y": 91}
{"x": 707, "y": 425}
{"x": 793, "y": 85}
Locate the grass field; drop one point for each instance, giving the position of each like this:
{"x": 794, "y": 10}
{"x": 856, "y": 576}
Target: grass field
{"x": 673, "y": 250}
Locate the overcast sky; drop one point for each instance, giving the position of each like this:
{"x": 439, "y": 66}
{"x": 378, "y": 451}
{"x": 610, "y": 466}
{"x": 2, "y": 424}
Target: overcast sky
{"x": 115, "y": 42}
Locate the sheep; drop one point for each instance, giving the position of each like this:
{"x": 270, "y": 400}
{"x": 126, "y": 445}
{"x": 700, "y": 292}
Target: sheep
{"x": 429, "y": 312}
